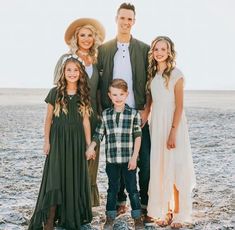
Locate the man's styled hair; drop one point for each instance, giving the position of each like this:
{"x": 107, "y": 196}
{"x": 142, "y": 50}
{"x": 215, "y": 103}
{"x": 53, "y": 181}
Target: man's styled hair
{"x": 126, "y": 6}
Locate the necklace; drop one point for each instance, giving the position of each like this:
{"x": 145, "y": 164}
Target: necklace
{"x": 82, "y": 53}
{"x": 70, "y": 97}
{"x": 71, "y": 93}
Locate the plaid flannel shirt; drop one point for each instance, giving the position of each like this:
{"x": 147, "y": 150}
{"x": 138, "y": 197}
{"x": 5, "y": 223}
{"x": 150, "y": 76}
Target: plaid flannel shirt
{"x": 119, "y": 138}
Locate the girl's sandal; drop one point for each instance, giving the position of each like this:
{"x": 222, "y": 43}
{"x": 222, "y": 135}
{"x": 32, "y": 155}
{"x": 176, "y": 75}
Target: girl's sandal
{"x": 176, "y": 225}
{"x": 167, "y": 221}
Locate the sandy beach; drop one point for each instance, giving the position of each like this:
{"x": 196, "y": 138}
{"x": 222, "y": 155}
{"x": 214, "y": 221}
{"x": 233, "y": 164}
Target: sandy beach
{"x": 211, "y": 120}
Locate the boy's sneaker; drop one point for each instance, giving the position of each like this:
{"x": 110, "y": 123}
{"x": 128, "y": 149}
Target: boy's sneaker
{"x": 148, "y": 221}
{"x": 108, "y": 225}
{"x": 138, "y": 223}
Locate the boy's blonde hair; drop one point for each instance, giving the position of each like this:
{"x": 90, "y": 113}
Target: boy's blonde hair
{"x": 119, "y": 83}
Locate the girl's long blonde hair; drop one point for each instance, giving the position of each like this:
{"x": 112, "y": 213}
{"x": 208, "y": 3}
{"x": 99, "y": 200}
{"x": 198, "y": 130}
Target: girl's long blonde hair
{"x": 93, "y": 52}
{"x": 84, "y": 105}
{"x": 153, "y": 65}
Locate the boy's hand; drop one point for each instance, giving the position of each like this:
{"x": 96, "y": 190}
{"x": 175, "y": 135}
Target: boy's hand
{"x": 132, "y": 163}
{"x": 46, "y": 148}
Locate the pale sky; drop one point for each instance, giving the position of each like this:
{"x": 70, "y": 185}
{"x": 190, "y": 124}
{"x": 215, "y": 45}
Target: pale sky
{"x": 32, "y": 37}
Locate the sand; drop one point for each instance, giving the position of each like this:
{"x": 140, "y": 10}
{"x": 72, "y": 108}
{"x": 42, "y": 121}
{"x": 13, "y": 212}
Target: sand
{"x": 211, "y": 119}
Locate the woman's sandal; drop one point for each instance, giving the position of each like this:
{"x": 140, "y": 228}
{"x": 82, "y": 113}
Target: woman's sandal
{"x": 167, "y": 221}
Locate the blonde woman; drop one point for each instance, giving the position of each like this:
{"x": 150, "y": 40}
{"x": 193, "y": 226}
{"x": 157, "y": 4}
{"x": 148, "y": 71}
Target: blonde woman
{"x": 172, "y": 175}
{"x": 83, "y": 37}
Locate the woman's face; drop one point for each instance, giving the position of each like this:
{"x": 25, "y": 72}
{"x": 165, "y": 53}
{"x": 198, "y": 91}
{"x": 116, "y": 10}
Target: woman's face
{"x": 160, "y": 51}
{"x": 85, "y": 39}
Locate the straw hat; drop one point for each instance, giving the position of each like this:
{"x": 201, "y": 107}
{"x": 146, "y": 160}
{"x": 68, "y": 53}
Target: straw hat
{"x": 82, "y": 22}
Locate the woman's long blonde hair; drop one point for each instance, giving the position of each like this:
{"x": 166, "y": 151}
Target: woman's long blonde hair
{"x": 93, "y": 52}
{"x": 84, "y": 105}
{"x": 153, "y": 65}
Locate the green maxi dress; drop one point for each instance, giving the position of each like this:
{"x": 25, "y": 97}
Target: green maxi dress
{"x": 93, "y": 165}
{"x": 65, "y": 182}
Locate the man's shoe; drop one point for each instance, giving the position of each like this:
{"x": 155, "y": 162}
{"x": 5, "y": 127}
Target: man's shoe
{"x": 108, "y": 225}
{"x": 121, "y": 209}
{"x": 148, "y": 221}
{"x": 138, "y": 224}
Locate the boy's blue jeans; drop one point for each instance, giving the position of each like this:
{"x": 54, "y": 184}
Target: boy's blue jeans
{"x": 144, "y": 170}
{"x": 114, "y": 172}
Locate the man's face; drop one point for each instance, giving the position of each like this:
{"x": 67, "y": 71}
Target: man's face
{"x": 125, "y": 20}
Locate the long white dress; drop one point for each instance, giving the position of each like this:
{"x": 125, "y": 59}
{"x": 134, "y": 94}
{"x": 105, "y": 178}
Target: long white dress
{"x": 169, "y": 167}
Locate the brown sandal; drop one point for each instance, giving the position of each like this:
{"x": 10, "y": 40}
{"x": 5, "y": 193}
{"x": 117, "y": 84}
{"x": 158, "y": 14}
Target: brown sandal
{"x": 167, "y": 221}
{"x": 176, "y": 225}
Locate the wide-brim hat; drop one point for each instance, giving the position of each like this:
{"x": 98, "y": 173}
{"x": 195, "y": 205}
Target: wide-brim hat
{"x": 82, "y": 22}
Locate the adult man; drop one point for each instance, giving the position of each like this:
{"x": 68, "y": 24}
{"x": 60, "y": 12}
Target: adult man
{"x": 127, "y": 58}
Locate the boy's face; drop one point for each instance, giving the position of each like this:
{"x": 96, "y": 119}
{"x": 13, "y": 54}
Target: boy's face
{"x": 117, "y": 96}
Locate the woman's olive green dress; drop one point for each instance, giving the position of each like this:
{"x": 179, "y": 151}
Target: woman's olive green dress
{"x": 94, "y": 164}
{"x": 65, "y": 183}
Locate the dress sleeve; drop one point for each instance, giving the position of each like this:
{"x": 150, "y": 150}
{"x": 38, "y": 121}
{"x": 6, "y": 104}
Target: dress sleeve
{"x": 51, "y": 97}
{"x": 176, "y": 75}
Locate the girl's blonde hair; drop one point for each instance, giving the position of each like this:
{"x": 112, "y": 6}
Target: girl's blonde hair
{"x": 93, "y": 52}
{"x": 84, "y": 106}
{"x": 153, "y": 65}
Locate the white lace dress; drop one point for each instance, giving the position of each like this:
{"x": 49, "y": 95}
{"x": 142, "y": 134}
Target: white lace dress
{"x": 169, "y": 167}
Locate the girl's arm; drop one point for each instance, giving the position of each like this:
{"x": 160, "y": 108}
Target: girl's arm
{"x": 47, "y": 128}
{"x": 179, "y": 95}
{"x": 87, "y": 129}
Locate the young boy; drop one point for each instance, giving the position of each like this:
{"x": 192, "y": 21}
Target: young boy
{"x": 120, "y": 125}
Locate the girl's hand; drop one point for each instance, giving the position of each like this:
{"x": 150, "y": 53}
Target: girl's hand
{"x": 46, "y": 148}
{"x": 171, "y": 140}
{"x": 132, "y": 163}
{"x": 90, "y": 154}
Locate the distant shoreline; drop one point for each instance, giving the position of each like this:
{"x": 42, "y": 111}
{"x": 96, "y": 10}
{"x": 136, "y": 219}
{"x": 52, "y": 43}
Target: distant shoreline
{"x": 187, "y": 90}
{"x": 217, "y": 99}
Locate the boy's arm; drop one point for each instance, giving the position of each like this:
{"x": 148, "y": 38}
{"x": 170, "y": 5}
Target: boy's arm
{"x": 133, "y": 161}
{"x": 137, "y": 133}
{"x": 47, "y": 128}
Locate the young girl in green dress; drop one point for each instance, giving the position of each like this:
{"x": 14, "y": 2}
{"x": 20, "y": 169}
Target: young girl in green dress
{"x": 64, "y": 196}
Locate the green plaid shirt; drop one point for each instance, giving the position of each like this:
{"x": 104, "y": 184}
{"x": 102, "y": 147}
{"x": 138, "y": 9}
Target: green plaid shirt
{"x": 119, "y": 138}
